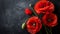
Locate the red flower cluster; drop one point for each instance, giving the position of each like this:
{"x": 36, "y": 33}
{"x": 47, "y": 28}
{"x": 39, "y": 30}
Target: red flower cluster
{"x": 49, "y": 19}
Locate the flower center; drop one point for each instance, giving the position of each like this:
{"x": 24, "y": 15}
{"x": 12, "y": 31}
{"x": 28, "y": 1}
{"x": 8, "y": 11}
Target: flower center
{"x": 49, "y": 20}
{"x": 34, "y": 24}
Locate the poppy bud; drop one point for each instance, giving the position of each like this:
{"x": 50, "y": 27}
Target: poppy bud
{"x": 28, "y": 11}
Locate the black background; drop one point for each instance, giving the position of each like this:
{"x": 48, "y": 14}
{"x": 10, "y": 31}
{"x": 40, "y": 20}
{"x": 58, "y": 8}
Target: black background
{"x": 12, "y": 16}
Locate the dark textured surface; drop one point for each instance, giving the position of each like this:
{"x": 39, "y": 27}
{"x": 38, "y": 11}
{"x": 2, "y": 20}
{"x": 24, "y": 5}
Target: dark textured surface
{"x": 12, "y": 16}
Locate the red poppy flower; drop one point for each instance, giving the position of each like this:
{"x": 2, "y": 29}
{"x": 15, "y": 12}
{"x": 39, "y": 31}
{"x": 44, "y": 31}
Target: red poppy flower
{"x": 43, "y": 7}
{"x": 50, "y": 20}
{"x": 28, "y": 11}
{"x": 34, "y": 25}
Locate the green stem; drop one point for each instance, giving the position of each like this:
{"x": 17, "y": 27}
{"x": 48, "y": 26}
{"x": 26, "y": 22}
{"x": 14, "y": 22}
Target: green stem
{"x": 46, "y": 30}
{"x": 50, "y": 30}
{"x": 34, "y": 11}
